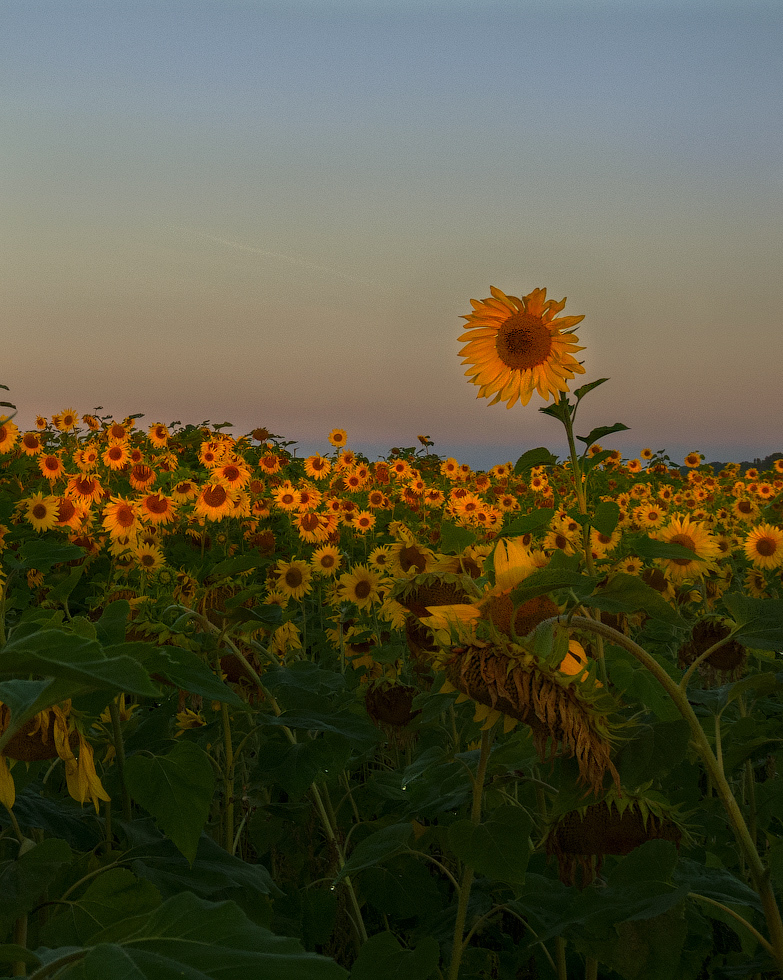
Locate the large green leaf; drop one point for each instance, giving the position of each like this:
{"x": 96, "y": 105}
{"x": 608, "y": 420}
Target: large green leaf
{"x": 760, "y": 621}
{"x": 628, "y": 593}
{"x": 498, "y": 848}
{"x": 215, "y": 874}
{"x": 383, "y": 958}
{"x": 295, "y": 767}
{"x": 649, "y": 548}
{"x": 534, "y": 457}
{"x": 57, "y": 653}
{"x": 605, "y": 517}
{"x": 115, "y": 895}
{"x": 181, "y": 667}
{"x": 601, "y": 432}
{"x": 176, "y": 789}
{"x": 189, "y": 938}
{"x": 23, "y": 881}
{"x": 378, "y": 847}
{"x": 359, "y": 730}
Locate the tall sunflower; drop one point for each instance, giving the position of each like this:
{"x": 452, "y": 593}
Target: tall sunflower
{"x": 516, "y": 346}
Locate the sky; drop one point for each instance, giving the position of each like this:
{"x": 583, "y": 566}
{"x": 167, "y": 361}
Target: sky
{"x": 275, "y": 214}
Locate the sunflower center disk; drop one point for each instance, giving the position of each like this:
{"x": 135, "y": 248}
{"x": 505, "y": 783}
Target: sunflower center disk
{"x": 523, "y": 342}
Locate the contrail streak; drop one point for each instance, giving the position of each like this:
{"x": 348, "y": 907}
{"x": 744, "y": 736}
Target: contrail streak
{"x": 282, "y": 257}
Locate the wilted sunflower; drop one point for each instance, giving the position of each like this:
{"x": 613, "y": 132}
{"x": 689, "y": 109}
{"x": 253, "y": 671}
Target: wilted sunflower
{"x": 581, "y": 838}
{"x": 516, "y": 346}
{"x": 568, "y": 714}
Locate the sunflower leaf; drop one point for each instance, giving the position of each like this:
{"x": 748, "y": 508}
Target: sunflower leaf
{"x": 760, "y": 621}
{"x": 534, "y": 457}
{"x": 646, "y": 547}
{"x": 176, "y": 789}
{"x": 601, "y": 432}
{"x": 581, "y": 392}
{"x": 627, "y": 593}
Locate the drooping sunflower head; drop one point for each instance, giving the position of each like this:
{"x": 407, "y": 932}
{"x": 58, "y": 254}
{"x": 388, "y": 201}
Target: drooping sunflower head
{"x": 518, "y": 346}
{"x": 566, "y": 716}
{"x": 581, "y": 838}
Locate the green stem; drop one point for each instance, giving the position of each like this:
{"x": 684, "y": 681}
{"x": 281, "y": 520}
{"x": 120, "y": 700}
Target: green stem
{"x": 18, "y": 967}
{"x": 467, "y": 876}
{"x": 562, "y": 972}
{"x": 719, "y": 905}
{"x": 591, "y": 968}
{"x": 759, "y": 873}
{"x": 119, "y": 754}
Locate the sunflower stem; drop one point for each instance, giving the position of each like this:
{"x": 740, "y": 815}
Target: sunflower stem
{"x": 119, "y": 754}
{"x": 760, "y": 874}
{"x": 467, "y": 875}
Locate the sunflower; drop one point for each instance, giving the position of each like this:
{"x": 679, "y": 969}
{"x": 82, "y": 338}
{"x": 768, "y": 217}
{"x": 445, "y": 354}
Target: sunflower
{"x": 408, "y": 558}
{"x": 86, "y": 459}
{"x": 360, "y": 586}
{"x": 763, "y": 546}
{"x": 310, "y": 527}
{"x": 317, "y": 467}
{"x": 234, "y": 474}
{"x": 270, "y": 463}
{"x": 157, "y": 508}
{"x": 566, "y": 717}
{"x": 85, "y": 488}
{"x": 42, "y": 511}
{"x": 380, "y": 557}
{"x": 120, "y": 518}
{"x": 338, "y": 437}
{"x": 363, "y": 521}
{"x": 745, "y": 509}
{"x": 51, "y": 466}
{"x": 326, "y": 560}
{"x": 309, "y": 498}
{"x": 149, "y": 557}
{"x": 69, "y": 513}
{"x": 67, "y": 420}
{"x": 116, "y": 455}
{"x": 449, "y": 468}
{"x": 213, "y": 502}
{"x": 31, "y": 444}
{"x": 184, "y": 490}
{"x": 650, "y": 516}
{"x": 693, "y": 459}
{"x": 158, "y": 435}
{"x": 286, "y": 497}
{"x": 293, "y": 578}
{"x": 693, "y": 536}
{"x": 516, "y": 346}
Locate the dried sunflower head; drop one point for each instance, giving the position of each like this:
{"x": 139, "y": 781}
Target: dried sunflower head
{"x": 580, "y": 838}
{"x": 568, "y": 714}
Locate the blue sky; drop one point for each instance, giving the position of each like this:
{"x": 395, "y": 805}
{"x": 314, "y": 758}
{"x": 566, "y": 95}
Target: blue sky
{"x": 275, "y": 214}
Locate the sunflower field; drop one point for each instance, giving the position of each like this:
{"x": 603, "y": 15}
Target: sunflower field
{"x": 264, "y": 716}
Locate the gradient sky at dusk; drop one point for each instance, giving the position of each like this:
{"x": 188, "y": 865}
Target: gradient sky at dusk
{"x": 275, "y": 214}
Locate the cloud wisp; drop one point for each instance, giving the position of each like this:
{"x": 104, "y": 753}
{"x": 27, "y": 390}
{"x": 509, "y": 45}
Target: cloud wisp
{"x": 282, "y": 257}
